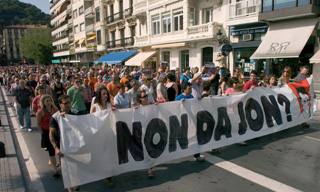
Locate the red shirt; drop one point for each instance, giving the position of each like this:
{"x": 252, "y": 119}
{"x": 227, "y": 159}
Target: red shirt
{"x": 249, "y": 84}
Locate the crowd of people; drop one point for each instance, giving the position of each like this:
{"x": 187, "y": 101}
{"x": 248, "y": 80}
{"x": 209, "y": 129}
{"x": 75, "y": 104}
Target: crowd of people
{"x": 43, "y": 90}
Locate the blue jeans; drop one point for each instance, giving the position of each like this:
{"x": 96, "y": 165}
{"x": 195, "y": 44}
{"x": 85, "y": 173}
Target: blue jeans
{"x": 24, "y": 113}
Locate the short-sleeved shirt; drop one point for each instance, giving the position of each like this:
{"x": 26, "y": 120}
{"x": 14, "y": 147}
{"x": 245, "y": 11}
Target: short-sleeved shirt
{"x": 77, "y": 100}
{"x": 182, "y": 96}
{"x": 23, "y": 96}
{"x": 249, "y": 84}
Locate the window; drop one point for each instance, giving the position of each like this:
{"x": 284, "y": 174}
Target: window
{"x": 132, "y": 31}
{"x": 81, "y": 10}
{"x": 75, "y": 14}
{"x": 192, "y": 17}
{"x": 178, "y": 20}
{"x": 82, "y": 27}
{"x": 166, "y": 56}
{"x": 166, "y": 23}
{"x": 279, "y": 4}
{"x": 99, "y": 37}
{"x": 207, "y": 15}
{"x": 97, "y": 14}
{"x": 155, "y": 20}
{"x": 76, "y": 29}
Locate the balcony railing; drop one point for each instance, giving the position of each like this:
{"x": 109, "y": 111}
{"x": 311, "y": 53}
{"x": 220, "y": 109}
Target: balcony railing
{"x": 270, "y": 5}
{"x": 198, "y": 29}
{"x": 60, "y": 25}
{"x": 89, "y": 28}
{"x": 129, "y": 41}
{"x": 115, "y": 17}
{"x": 88, "y": 12}
{"x": 61, "y": 37}
{"x": 244, "y": 8}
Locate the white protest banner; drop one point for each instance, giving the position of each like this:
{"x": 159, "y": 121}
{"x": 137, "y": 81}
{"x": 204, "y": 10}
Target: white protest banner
{"x": 108, "y": 143}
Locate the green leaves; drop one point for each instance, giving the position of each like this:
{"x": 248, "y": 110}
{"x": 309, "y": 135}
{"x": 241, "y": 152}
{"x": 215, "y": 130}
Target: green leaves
{"x": 13, "y": 12}
{"x": 37, "y": 45}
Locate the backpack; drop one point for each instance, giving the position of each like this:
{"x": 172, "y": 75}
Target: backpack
{"x": 2, "y": 150}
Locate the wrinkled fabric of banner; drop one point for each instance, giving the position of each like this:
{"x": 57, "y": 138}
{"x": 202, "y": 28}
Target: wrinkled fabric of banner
{"x": 90, "y": 143}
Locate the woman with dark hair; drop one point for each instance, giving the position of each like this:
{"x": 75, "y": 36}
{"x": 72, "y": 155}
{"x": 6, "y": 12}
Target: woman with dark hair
{"x": 172, "y": 88}
{"x": 101, "y": 101}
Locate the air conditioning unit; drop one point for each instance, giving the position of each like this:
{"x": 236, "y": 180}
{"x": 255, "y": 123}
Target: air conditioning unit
{"x": 247, "y": 37}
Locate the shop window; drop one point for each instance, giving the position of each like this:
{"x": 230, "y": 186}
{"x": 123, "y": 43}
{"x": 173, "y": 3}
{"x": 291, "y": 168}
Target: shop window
{"x": 207, "y": 56}
{"x": 184, "y": 59}
{"x": 166, "y": 56}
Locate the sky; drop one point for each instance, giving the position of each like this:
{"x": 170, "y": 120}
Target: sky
{"x": 44, "y": 5}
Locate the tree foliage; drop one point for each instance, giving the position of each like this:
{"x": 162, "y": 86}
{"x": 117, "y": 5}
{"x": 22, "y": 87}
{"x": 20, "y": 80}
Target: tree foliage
{"x": 36, "y": 44}
{"x": 14, "y": 12}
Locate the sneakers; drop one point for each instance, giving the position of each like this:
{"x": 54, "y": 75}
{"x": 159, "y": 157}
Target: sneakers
{"x": 29, "y": 129}
{"x": 200, "y": 158}
{"x": 21, "y": 127}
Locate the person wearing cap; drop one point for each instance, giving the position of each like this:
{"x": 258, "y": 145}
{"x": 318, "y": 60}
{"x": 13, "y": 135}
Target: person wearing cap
{"x": 197, "y": 82}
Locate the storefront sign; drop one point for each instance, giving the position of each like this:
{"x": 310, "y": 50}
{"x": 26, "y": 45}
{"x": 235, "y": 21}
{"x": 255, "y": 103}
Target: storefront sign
{"x": 252, "y": 30}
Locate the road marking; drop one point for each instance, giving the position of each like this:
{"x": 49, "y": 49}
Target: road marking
{"x": 36, "y": 183}
{"x": 250, "y": 175}
{"x": 312, "y": 138}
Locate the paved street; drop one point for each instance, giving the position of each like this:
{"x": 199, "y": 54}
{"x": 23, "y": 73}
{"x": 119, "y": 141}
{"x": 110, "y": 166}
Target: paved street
{"x": 285, "y": 161}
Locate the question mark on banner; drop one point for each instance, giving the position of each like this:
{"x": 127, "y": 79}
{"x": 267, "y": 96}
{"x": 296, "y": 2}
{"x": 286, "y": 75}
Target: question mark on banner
{"x": 284, "y": 100}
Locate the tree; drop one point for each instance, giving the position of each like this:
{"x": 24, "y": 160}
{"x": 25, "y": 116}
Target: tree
{"x": 36, "y": 44}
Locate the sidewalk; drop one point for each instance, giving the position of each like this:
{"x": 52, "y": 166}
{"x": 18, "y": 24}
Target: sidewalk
{"x": 11, "y": 178}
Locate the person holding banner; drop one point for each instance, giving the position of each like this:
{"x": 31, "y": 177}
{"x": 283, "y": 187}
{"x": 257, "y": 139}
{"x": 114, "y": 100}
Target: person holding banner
{"x": 54, "y": 132}
{"x": 285, "y": 77}
{"x": 143, "y": 100}
{"x": 186, "y": 94}
{"x": 252, "y": 82}
{"x": 101, "y": 101}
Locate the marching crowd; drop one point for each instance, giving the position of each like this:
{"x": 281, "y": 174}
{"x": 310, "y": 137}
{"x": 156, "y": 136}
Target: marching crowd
{"x": 43, "y": 90}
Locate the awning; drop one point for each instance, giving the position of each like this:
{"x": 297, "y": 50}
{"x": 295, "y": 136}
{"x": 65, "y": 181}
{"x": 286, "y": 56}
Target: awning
{"x": 55, "y": 61}
{"x": 315, "y": 58}
{"x": 74, "y": 61}
{"x": 91, "y": 38}
{"x": 116, "y": 57}
{"x": 138, "y": 59}
{"x": 170, "y": 45}
{"x": 81, "y": 41}
{"x": 285, "y": 39}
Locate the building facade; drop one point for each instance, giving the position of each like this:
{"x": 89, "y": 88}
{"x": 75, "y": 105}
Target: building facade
{"x": 60, "y": 16}
{"x": 292, "y": 38}
{"x": 245, "y": 33}
{"x": 11, "y": 36}
{"x": 184, "y": 33}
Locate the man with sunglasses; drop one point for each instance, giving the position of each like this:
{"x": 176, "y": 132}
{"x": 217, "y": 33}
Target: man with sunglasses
{"x": 54, "y": 132}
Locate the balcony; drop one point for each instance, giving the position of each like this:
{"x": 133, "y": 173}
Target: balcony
{"x": 89, "y": 13}
{"x": 129, "y": 41}
{"x": 272, "y": 10}
{"x": 244, "y": 8}
{"x": 91, "y": 47}
{"x": 89, "y": 28}
{"x": 139, "y": 7}
{"x": 115, "y": 17}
